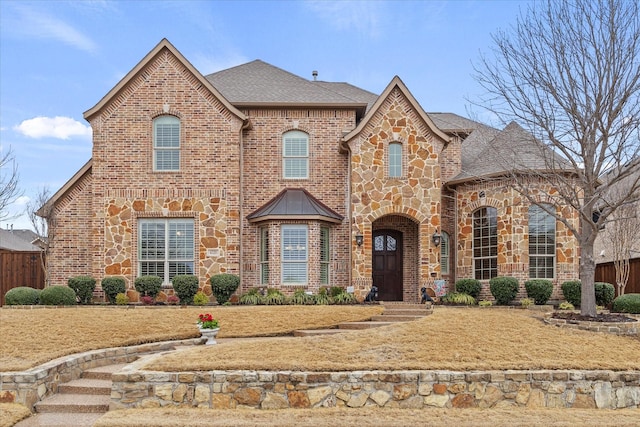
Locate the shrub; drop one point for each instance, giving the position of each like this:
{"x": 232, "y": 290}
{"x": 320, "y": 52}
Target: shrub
{"x": 485, "y": 303}
{"x": 627, "y": 303}
{"x": 335, "y": 291}
{"x": 323, "y": 297}
{"x": 83, "y": 286}
{"x": 185, "y": 287}
{"x": 22, "y": 295}
{"x": 251, "y": 297}
{"x": 572, "y": 291}
{"x": 539, "y": 290}
{"x": 122, "y": 299}
{"x": 469, "y": 286}
{"x": 58, "y": 295}
{"x": 503, "y": 289}
{"x": 344, "y": 298}
{"x": 200, "y": 298}
{"x": 459, "y": 298}
{"x": 526, "y": 302}
{"x": 223, "y": 286}
{"x": 605, "y": 292}
{"x": 566, "y": 306}
{"x": 112, "y": 286}
{"x": 147, "y": 300}
{"x": 148, "y": 285}
{"x": 301, "y": 297}
{"x": 274, "y": 297}
{"x": 173, "y": 300}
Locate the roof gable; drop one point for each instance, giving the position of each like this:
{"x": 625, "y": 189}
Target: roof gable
{"x": 163, "y": 45}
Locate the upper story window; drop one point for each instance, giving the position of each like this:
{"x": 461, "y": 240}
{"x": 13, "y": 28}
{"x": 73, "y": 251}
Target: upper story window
{"x": 542, "y": 243}
{"x": 295, "y": 155}
{"x": 165, "y": 247}
{"x": 485, "y": 243}
{"x": 166, "y": 143}
{"x": 444, "y": 253}
{"x": 395, "y": 160}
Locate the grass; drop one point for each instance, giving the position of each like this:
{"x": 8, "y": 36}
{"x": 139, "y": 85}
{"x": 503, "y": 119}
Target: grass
{"x": 11, "y": 413}
{"x": 451, "y": 338}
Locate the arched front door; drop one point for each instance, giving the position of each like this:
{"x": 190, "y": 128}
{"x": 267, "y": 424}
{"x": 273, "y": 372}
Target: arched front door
{"x": 387, "y": 264}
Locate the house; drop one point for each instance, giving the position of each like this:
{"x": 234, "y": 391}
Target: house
{"x": 294, "y": 183}
{"x": 20, "y": 260}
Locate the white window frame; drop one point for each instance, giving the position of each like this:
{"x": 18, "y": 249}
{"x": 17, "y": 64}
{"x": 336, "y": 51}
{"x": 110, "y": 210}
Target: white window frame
{"x": 167, "y": 257}
{"x": 264, "y": 255}
{"x": 540, "y": 219}
{"x": 444, "y": 253}
{"x": 325, "y": 255}
{"x": 294, "y": 254}
{"x": 295, "y": 152}
{"x": 166, "y": 142}
{"x": 395, "y": 160}
{"x": 485, "y": 243}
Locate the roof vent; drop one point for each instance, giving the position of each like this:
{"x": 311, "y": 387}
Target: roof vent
{"x": 314, "y": 73}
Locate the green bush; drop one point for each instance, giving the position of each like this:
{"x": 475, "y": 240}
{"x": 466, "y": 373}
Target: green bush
{"x": 323, "y": 297}
{"x": 301, "y": 297}
{"x": 526, "y": 302}
{"x": 274, "y": 297}
{"x": 503, "y": 289}
{"x": 485, "y": 303}
{"x": 251, "y": 297}
{"x": 223, "y": 286}
{"x": 627, "y": 303}
{"x": 83, "y": 286}
{"x": 605, "y": 293}
{"x": 58, "y": 295}
{"x": 200, "y": 298}
{"x": 22, "y": 295}
{"x": 186, "y": 287}
{"x": 122, "y": 299}
{"x": 344, "y": 298}
{"x": 539, "y": 290}
{"x": 572, "y": 291}
{"x": 148, "y": 285}
{"x": 469, "y": 286}
{"x": 112, "y": 286}
{"x": 566, "y": 306}
{"x": 335, "y": 290}
{"x": 458, "y": 298}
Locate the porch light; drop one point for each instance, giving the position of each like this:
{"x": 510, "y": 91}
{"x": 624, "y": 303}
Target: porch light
{"x": 359, "y": 239}
{"x": 437, "y": 238}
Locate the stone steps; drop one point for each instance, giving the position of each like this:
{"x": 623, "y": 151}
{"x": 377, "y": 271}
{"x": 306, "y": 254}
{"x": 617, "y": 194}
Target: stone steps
{"x": 74, "y": 403}
{"x": 396, "y": 318}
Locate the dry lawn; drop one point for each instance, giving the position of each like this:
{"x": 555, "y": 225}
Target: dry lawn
{"x": 370, "y": 417}
{"x": 11, "y": 413}
{"x": 32, "y": 337}
{"x": 451, "y": 338}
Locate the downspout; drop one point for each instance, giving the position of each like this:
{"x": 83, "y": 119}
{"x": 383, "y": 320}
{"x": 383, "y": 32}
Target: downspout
{"x": 345, "y": 147}
{"x": 246, "y": 125}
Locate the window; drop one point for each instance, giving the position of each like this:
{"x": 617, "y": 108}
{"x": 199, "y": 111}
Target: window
{"x": 264, "y": 255}
{"x": 444, "y": 253}
{"x": 295, "y": 155}
{"x": 395, "y": 160}
{"x": 324, "y": 255}
{"x": 166, "y": 143}
{"x": 165, "y": 247}
{"x": 294, "y": 254}
{"x": 485, "y": 243}
{"x": 542, "y": 243}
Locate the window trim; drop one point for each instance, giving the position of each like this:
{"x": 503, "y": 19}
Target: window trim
{"x": 169, "y": 120}
{"x": 543, "y": 215}
{"x": 445, "y": 255}
{"x": 166, "y": 260}
{"x": 325, "y": 255}
{"x": 491, "y": 216}
{"x": 305, "y": 262}
{"x": 394, "y": 160}
{"x": 297, "y": 134}
{"x": 264, "y": 255}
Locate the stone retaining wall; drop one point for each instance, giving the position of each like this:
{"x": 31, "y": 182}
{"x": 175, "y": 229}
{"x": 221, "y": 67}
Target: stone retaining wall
{"x": 616, "y": 328}
{"x": 394, "y": 389}
{"x": 31, "y": 386}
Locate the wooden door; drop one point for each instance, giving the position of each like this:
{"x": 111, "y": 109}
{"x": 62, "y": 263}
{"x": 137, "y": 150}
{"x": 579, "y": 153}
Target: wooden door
{"x": 387, "y": 264}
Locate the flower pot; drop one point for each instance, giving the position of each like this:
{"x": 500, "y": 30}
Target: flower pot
{"x": 210, "y": 335}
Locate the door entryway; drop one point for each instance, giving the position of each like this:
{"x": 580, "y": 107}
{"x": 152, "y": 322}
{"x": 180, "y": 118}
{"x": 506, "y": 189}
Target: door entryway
{"x": 387, "y": 264}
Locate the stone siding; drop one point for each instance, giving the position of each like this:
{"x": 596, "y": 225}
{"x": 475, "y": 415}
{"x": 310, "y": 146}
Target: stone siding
{"x": 391, "y": 389}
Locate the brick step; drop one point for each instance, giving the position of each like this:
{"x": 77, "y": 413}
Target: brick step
{"x": 406, "y": 312}
{"x": 52, "y": 419}
{"x": 313, "y": 332}
{"x": 403, "y": 305}
{"x": 362, "y": 325}
{"x": 86, "y": 386}
{"x": 102, "y": 372}
{"x": 74, "y": 403}
{"x": 396, "y": 318}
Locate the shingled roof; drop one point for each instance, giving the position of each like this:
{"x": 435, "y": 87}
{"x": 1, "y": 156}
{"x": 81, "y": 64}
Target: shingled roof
{"x": 18, "y": 240}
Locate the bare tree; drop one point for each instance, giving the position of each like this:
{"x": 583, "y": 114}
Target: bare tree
{"x": 569, "y": 73}
{"x": 42, "y": 216}
{"x": 9, "y": 178}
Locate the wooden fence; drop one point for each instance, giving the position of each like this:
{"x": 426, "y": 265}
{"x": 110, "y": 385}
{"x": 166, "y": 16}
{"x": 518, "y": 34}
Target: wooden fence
{"x": 20, "y": 269}
{"x": 606, "y": 272}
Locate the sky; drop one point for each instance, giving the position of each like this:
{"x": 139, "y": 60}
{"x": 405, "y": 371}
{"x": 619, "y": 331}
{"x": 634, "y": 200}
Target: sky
{"x": 59, "y": 58}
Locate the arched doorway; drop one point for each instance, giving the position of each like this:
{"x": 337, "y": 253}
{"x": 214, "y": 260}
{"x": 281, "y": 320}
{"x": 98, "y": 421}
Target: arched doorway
{"x": 387, "y": 264}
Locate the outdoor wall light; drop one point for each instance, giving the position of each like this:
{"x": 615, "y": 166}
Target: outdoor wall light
{"x": 359, "y": 239}
{"x": 437, "y": 238}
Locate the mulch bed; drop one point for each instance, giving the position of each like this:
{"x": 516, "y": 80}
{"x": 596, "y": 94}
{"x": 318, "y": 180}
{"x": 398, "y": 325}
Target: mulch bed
{"x": 601, "y": 317}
